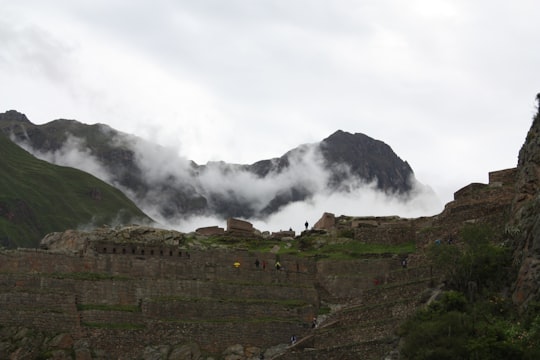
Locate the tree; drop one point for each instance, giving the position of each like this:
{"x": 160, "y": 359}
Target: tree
{"x": 475, "y": 262}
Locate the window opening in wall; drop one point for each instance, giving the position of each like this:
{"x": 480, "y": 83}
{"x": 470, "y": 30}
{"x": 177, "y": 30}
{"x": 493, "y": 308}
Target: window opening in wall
{"x": 142, "y": 252}
{"x": 104, "y": 250}
{"x": 151, "y": 252}
{"x": 114, "y": 250}
{"x": 170, "y": 252}
{"x": 161, "y": 252}
{"x": 133, "y": 250}
{"x": 123, "y": 251}
{"x": 179, "y": 253}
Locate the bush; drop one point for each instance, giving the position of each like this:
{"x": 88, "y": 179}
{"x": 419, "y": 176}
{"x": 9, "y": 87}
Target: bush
{"x": 475, "y": 261}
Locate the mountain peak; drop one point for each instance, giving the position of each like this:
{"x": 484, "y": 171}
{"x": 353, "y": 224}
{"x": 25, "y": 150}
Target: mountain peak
{"x": 367, "y": 158}
{"x": 14, "y": 116}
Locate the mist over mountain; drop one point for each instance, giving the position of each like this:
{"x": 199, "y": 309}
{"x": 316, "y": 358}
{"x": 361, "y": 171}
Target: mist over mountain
{"x": 344, "y": 172}
{"x": 37, "y": 198}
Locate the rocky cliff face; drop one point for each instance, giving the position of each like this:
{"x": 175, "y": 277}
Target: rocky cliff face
{"x": 525, "y": 224}
{"x": 180, "y": 188}
{"x": 373, "y": 159}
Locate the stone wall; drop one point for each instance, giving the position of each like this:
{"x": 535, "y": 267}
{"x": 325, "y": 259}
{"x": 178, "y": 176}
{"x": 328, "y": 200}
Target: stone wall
{"x": 146, "y": 300}
{"x": 387, "y": 235}
{"x": 239, "y": 227}
{"x": 210, "y": 230}
{"x": 326, "y": 222}
{"x": 503, "y": 177}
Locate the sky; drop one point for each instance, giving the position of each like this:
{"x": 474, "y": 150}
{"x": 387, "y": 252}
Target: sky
{"x": 450, "y": 86}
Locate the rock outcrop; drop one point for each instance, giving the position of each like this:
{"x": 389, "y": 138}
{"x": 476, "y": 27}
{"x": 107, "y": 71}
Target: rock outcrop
{"x": 525, "y": 225}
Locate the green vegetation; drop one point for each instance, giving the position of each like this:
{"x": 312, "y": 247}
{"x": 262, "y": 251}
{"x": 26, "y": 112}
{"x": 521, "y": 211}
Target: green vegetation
{"x": 315, "y": 245}
{"x": 114, "y": 326}
{"x": 290, "y": 303}
{"x": 477, "y": 260}
{"x": 324, "y": 310}
{"x": 38, "y": 198}
{"x": 90, "y": 276}
{"x": 106, "y": 307}
{"x": 232, "y": 320}
{"x": 472, "y": 320}
{"x": 349, "y": 249}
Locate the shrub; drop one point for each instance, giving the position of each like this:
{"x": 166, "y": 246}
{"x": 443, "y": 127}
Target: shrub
{"x": 477, "y": 260}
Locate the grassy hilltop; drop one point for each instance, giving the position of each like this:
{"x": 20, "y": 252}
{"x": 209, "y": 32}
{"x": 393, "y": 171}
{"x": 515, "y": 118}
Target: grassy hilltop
{"x": 37, "y": 198}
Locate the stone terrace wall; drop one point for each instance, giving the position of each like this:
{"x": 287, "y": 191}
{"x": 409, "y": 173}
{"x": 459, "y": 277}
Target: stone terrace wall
{"x": 388, "y": 234}
{"x": 507, "y": 176}
{"x": 141, "y": 300}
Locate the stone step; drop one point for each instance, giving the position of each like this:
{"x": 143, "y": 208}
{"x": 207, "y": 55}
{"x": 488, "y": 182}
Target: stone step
{"x": 397, "y": 310}
{"x": 384, "y": 301}
{"x": 365, "y": 350}
{"x": 353, "y": 333}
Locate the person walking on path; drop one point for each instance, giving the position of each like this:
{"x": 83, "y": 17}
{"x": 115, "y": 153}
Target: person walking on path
{"x": 293, "y": 339}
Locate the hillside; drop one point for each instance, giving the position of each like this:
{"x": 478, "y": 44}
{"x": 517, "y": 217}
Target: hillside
{"x": 37, "y": 198}
{"x": 144, "y": 293}
{"x": 178, "y": 188}
{"x": 458, "y": 285}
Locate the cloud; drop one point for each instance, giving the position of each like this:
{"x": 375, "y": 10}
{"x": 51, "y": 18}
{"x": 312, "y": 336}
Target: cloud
{"x": 363, "y": 201}
{"x": 247, "y": 80}
{"x": 305, "y": 171}
{"x": 164, "y": 171}
{"x": 155, "y": 161}
{"x": 73, "y": 153}
{"x": 34, "y": 51}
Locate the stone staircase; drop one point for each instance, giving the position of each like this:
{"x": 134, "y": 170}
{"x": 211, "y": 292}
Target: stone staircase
{"x": 366, "y": 327}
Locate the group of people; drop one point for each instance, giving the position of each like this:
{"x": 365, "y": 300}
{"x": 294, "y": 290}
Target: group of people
{"x": 258, "y": 264}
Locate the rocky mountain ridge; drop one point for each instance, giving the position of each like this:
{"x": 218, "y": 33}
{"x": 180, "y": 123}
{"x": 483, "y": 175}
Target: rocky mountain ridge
{"x": 182, "y": 188}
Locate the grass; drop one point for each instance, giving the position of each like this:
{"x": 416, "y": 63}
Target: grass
{"x": 315, "y": 246}
{"x": 90, "y": 276}
{"x": 37, "y": 198}
{"x": 324, "y": 310}
{"x": 236, "y": 320}
{"x": 106, "y": 307}
{"x": 113, "y": 326}
{"x": 290, "y": 303}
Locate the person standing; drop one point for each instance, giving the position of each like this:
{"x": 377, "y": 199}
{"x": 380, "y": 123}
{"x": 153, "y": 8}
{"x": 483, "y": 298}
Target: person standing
{"x": 293, "y": 339}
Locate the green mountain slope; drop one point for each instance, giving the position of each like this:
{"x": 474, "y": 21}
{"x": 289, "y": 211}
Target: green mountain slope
{"x": 37, "y": 198}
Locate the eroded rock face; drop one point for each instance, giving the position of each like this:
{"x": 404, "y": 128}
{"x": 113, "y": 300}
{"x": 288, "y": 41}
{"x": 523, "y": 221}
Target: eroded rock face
{"x": 525, "y": 223}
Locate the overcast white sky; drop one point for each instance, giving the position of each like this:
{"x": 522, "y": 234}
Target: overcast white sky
{"x": 449, "y": 85}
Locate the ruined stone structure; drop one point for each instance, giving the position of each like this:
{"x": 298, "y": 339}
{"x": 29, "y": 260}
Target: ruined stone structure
{"x": 283, "y": 234}
{"x": 210, "y": 231}
{"x": 326, "y": 222}
{"x": 239, "y": 227}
